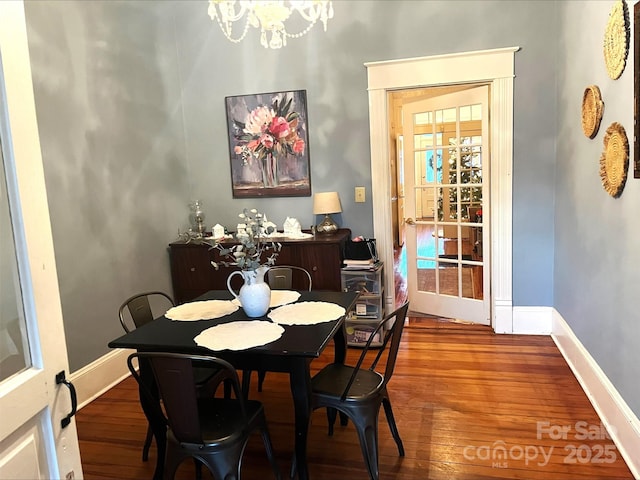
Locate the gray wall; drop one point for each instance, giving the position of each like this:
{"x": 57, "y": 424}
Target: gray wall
{"x": 108, "y": 100}
{"x": 130, "y": 98}
{"x": 597, "y": 246}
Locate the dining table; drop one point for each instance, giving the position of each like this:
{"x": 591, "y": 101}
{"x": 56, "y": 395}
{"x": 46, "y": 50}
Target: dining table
{"x": 291, "y": 353}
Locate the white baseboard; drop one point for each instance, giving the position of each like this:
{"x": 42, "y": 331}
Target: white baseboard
{"x": 622, "y": 424}
{"x": 522, "y": 320}
{"x": 532, "y": 320}
{"x": 502, "y": 316}
{"x": 99, "y": 376}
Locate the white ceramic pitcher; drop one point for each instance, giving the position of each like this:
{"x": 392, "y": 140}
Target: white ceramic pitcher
{"x": 255, "y": 294}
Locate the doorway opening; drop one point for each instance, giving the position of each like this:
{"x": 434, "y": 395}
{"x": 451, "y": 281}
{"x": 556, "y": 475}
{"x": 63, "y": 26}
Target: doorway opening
{"x": 469, "y": 246}
{"x": 492, "y": 67}
{"x": 442, "y": 170}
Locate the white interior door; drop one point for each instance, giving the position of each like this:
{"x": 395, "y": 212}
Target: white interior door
{"x": 446, "y": 152}
{"x": 33, "y": 442}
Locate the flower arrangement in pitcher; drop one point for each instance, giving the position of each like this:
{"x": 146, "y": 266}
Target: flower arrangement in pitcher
{"x": 248, "y": 253}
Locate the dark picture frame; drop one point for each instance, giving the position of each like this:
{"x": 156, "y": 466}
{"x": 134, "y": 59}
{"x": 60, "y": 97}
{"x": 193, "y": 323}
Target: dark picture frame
{"x": 636, "y": 90}
{"x": 269, "y": 144}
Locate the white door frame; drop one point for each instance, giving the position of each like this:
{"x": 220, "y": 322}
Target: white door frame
{"x": 495, "y": 67}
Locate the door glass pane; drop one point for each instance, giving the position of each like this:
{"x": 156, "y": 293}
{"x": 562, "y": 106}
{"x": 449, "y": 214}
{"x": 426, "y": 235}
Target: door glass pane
{"x": 425, "y": 202}
{"x": 470, "y": 165}
{"x": 420, "y": 165}
{"x": 447, "y": 204}
{"x": 14, "y": 348}
{"x": 422, "y": 141}
{"x": 428, "y": 247}
{"x": 434, "y": 166}
{"x": 448, "y": 279}
{"x": 423, "y": 118}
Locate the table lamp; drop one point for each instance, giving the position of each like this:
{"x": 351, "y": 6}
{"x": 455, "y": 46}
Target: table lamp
{"x": 326, "y": 203}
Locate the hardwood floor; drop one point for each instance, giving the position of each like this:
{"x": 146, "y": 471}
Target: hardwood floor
{"x": 469, "y": 404}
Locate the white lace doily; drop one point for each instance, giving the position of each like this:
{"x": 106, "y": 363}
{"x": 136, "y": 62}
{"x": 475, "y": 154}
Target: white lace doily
{"x": 201, "y": 310}
{"x": 278, "y": 297}
{"x": 306, "y": 313}
{"x": 239, "y": 335}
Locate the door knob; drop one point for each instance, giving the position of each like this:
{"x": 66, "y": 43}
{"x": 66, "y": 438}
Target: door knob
{"x": 409, "y": 221}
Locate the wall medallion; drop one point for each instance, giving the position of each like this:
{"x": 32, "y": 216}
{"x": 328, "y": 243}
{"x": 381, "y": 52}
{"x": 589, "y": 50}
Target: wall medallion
{"x": 614, "y": 161}
{"x": 592, "y": 108}
{"x": 616, "y": 39}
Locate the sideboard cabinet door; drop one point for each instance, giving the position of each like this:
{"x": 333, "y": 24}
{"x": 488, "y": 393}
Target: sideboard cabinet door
{"x": 319, "y": 260}
{"x": 191, "y": 271}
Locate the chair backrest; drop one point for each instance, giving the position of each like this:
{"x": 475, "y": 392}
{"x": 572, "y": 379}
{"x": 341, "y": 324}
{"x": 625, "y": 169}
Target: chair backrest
{"x": 280, "y": 277}
{"x": 391, "y": 342}
{"x": 139, "y": 308}
{"x": 174, "y": 375}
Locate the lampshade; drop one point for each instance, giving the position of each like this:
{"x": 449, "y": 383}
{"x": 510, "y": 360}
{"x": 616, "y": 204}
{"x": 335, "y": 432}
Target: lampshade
{"x": 326, "y": 202}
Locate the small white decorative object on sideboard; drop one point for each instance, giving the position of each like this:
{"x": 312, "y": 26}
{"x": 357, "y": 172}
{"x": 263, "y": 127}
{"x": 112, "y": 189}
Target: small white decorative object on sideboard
{"x": 292, "y": 227}
{"x": 217, "y": 231}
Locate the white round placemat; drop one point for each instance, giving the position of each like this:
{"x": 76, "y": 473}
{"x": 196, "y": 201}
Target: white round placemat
{"x": 201, "y": 310}
{"x": 278, "y": 297}
{"x": 306, "y": 313}
{"x": 239, "y": 335}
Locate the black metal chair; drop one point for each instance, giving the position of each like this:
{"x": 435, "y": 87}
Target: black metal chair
{"x": 213, "y": 431}
{"x": 140, "y": 312}
{"x": 280, "y": 277}
{"x": 358, "y": 392}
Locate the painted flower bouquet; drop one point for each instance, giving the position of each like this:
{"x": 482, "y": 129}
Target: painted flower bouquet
{"x": 267, "y": 133}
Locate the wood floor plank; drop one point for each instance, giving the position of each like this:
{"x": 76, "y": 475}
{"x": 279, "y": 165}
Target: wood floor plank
{"x": 469, "y": 404}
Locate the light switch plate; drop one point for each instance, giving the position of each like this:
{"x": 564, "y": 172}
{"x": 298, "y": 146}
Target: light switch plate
{"x": 360, "y": 195}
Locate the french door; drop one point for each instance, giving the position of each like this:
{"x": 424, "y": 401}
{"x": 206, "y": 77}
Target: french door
{"x": 38, "y": 438}
{"x": 446, "y": 174}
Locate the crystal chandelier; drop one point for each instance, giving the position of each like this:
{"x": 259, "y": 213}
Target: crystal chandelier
{"x": 270, "y": 17}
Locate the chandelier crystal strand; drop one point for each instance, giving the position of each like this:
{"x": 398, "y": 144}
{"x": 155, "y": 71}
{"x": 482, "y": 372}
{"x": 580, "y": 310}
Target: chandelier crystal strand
{"x": 227, "y": 16}
{"x": 270, "y": 17}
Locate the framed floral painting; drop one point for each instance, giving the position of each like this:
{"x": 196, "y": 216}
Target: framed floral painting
{"x": 269, "y": 145}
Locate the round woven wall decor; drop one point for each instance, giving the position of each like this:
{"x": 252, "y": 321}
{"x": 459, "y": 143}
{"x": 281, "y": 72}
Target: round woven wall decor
{"x": 614, "y": 161}
{"x": 616, "y": 39}
{"x": 592, "y": 108}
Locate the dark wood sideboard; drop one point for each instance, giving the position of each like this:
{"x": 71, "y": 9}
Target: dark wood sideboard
{"x": 192, "y": 273}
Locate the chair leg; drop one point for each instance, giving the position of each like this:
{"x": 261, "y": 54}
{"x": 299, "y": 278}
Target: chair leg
{"x": 331, "y": 418}
{"x": 246, "y": 383}
{"x": 198, "y": 466}
{"x": 392, "y": 425}
{"x": 261, "y": 375}
{"x": 147, "y": 444}
{"x": 268, "y": 446}
{"x": 294, "y": 468}
{"x": 344, "y": 420}
{"x": 173, "y": 459}
{"x": 227, "y": 389}
{"x": 367, "y": 428}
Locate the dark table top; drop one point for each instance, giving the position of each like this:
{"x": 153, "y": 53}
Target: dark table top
{"x": 163, "y": 334}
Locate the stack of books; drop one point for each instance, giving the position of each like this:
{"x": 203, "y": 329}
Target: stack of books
{"x": 369, "y": 264}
